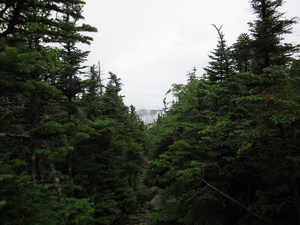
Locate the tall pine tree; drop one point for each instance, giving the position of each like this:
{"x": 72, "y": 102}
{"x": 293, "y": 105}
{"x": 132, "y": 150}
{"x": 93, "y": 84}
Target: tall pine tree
{"x": 220, "y": 67}
{"x": 268, "y": 32}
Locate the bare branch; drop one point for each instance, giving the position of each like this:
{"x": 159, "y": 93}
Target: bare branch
{"x": 235, "y": 201}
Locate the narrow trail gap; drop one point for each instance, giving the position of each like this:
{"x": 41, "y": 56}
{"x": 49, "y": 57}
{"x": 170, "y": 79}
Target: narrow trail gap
{"x": 141, "y": 214}
{"x": 139, "y": 217}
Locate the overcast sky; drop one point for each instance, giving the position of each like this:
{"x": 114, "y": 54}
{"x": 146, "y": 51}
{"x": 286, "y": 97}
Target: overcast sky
{"x": 152, "y": 44}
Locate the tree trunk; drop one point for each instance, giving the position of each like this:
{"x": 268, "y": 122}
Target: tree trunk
{"x": 56, "y": 181}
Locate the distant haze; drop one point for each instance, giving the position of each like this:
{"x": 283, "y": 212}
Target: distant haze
{"x": 149, "y": 115}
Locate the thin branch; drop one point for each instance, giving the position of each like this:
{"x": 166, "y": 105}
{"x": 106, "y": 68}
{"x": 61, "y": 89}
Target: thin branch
{"x": 198, "y": 192}
{"x": 17, "y": 135}
{"x": 235, "y": 201}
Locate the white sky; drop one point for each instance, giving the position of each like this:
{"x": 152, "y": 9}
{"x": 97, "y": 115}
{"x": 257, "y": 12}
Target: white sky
{"x": 152, "y": 44}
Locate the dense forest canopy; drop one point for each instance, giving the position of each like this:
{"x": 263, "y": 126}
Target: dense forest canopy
{"x": 225, "y": 151}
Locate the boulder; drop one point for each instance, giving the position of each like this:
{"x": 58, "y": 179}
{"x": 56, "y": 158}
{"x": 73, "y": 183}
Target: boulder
{"x": 171, "y": 200}
{"x": 155, "y": 190}
{"x": 155, "y": 201}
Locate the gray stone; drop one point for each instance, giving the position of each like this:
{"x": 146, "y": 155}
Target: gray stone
{"x": 155, "y": 190}
{"x": 155, "y": 201}
{"x": 171, "y": 200}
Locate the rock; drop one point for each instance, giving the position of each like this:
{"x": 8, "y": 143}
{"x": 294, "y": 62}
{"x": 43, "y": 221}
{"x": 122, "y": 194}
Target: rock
{"x": 158, "y": 200}
{"x": 155, "y": 201}
{"x": 155, "y": 190}
{"x": 171, "y": 200}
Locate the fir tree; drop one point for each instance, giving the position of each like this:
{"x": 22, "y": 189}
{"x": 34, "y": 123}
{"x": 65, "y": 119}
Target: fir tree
{"x": 229, "y": 153}
{"x": 220, "y": 67}
{"x": 33, "y": 125}
{"x": 242, "y": 54}
{"x": 267, "y": 32}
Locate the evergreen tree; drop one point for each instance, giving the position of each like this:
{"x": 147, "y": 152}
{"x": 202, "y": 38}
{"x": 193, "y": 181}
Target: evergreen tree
{"x": 229, "y": 153}
{"x": 106, "y": 163}
{"x": 267, "y": 32}
{"x": 113, "y": 101}
{"x": 72, "y": 57}
{"x": 33, "y": 123}
{"x": 220, "y": 67}
{"x": 242, "y": 54}
{"x": 93, "y": 93}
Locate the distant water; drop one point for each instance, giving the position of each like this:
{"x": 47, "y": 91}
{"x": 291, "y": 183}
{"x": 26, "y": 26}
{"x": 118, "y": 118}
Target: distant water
{"x": 149, "y": 115}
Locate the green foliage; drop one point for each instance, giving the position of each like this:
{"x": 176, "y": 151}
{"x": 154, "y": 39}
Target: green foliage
{"x": 237, "y": 136}
{"x": 71, "y": 151}
{"x": 267, "y": 33}
{"x": 77, "y": 211}
{"x": 220, "y": 66}
{"x": 227, "y": 150}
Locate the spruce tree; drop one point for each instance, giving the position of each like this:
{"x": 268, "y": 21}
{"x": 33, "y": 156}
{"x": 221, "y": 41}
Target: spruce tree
{"x": 242, "y": 54}
{"x": 34, "y": 131}
{"x": 268, "y": 32}
{"x": 229, "y": 154}
{"x": 220, "y": 67}
{"x": 69, "y": 80}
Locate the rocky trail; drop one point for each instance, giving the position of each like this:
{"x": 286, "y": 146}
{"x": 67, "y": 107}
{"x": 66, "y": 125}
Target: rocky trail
{"x": 139, "y": 217}
{"x": 150, "y": 201}
{"x": 143, "y": 211}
